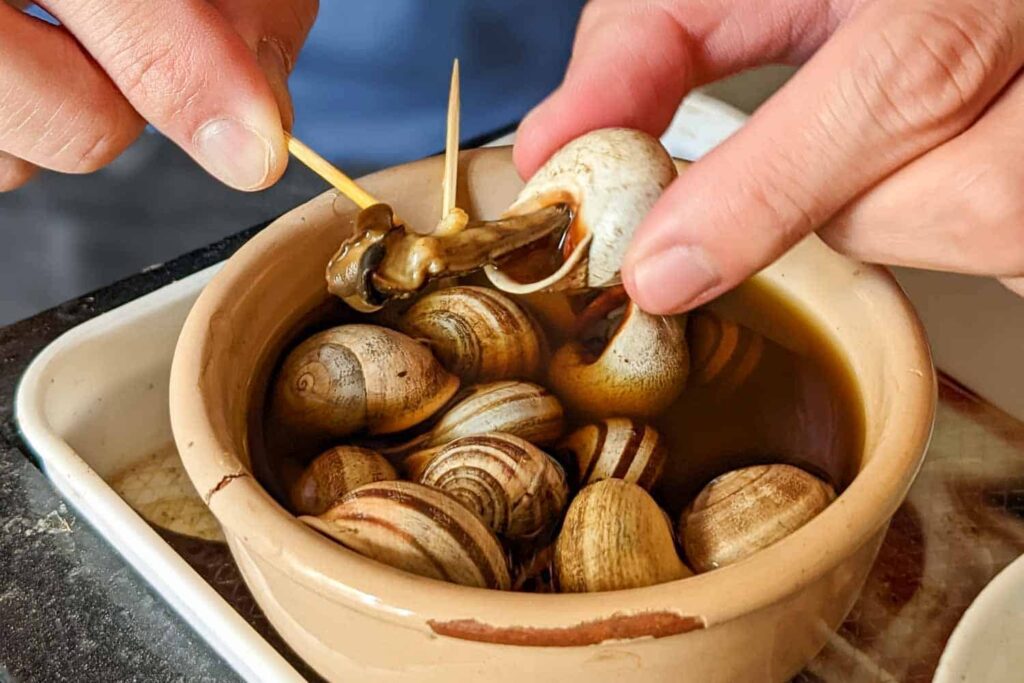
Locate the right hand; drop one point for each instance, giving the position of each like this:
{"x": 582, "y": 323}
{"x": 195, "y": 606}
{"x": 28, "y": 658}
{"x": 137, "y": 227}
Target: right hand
{"x": 209, "y": 74}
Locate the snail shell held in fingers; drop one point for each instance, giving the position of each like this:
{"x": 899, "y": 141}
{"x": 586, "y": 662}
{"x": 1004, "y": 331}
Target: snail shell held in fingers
{"x": 512, "y": 485}
{"x": 478, "y": 334}
{"x": 360, "y": 377}
{"x": 610, "y": 178}
{"x": 419, "y": 530}
{"x": 336, "y": 472}
{"x": 617, "y": 448}
{"x": 745, "y": 510}
{"x": 522, "y": 409}
{"x": 614, "y": 537}
{"x": 639, "y": 373}
{"x": 721, "y": 351}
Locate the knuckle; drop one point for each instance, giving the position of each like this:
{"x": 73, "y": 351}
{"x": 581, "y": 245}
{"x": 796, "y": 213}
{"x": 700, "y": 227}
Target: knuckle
{"x": 926, "y": 71}
{"x": 158, "y": 77}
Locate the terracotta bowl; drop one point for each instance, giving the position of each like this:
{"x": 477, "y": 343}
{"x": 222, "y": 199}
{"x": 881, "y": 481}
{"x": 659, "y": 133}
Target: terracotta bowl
{"x": 354, "y": 619}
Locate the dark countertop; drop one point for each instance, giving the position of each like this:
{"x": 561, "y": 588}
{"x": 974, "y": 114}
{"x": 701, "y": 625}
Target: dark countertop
{"x": 70, "y": 607}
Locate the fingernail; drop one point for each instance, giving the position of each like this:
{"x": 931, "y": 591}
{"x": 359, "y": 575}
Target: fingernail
{"x": 235, "y": 153}
{"x": 671, "y": 280}
{"x": 270, "y": 57}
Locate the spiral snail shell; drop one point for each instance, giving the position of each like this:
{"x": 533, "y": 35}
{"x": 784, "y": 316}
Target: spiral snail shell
{"x": 617, "y": 448}
{"x": 748, "y": 509}
{"x": 615, "y": 537}
{"x": 479, "y": 334}
{"x": 360, "y": 377}
{"x": 419, "y": 530}
{"x": 610, "y": 178}
{"x": 640, "y": 371}
{"x": 336, "y": 472}
{"x": 721, "y": 351}
{"x": 522, "y": 409}
{"x": 513, "y": 486}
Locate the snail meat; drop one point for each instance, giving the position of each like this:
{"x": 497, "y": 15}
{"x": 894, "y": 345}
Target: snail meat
{"x": 419, "y": 530}
{"x": 516, "y": 488}
{"x": 360, "y": 377}
{"x": 745, "y": 510}
{"x": 615, "y": 537}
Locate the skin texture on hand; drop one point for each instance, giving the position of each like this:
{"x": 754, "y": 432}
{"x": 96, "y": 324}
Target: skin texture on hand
{"x": 900, "y": 140}
{"x": 209, "y": 74}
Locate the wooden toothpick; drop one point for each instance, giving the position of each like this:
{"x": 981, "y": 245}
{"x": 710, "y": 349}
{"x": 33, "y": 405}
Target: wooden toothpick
{"x": 332, "y": 175}
{"x": 451, "y": 146}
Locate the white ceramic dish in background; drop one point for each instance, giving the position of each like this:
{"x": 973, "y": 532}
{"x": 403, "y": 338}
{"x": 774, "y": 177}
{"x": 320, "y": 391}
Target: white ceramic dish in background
{"x": 986, "y": 644}
{"x": 93, "y": 403}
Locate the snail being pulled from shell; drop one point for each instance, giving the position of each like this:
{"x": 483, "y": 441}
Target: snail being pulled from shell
{"x": 617, "y": 448}
{"x": 360, "y": 377}
{"x": 417, "y": 529}
{"x": 334, "y": 473}
{"x": 522, "y": 409}
{"x": 615, "y": 537}
{"x": 748, "y": 509}
{"x": 479, "y": 334}
{"x": 513, "y": 486}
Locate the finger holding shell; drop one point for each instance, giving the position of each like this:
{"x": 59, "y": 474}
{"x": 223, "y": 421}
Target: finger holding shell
{"x": 513, "y": 486}
{"x": 419, "y": 530}
{"x": 336, "y": 472}
{"x": 748, "y": 509}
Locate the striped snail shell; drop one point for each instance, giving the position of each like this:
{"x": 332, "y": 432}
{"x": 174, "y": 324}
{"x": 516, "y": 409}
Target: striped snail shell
{"x": 516, "y": 488}
{"x": 522, "y": 409}
{"x": 745, "y": 510}
{"x": 721, "y": 351}
{"x": 618, "y": 448}
{"x": 479, "y": 334}
{"x": 360, "y": 377}
{"x": 639, "y": 372}
{"x": 614, "y": 537}
{"x": 419, "y": 530}
{"x": 336, "y": 472}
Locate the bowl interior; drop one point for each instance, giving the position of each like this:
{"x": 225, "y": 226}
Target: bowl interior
{"x": 237, "y": 330}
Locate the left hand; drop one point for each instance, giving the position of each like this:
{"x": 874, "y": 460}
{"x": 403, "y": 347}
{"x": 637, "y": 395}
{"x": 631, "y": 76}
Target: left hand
{"x": 901, "y": 140}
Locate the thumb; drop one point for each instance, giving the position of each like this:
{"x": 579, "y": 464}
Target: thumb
{"x": 188, "y": 72}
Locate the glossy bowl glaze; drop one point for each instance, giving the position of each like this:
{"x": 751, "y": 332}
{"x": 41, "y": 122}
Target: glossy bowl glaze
{"x": 354, "y": 619}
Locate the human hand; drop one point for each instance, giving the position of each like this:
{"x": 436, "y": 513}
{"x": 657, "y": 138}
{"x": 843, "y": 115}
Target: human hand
{"x": 209, "y": 74}
{"x": 903, "y": 135}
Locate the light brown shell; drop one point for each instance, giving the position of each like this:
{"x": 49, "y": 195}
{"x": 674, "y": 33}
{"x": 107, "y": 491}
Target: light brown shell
{"x": 611, "y": 178}
{"x": 615, "y": 537}
{"x": 721, "y": 351}
{"x": 517, "y": 489}
{"x": 479, "y": 334}
{"x": 748, "y": 509}
{"x": 639, "y": 373}
{"x": 360, "y": 377}
{"x": 522, "y": 409}
{"x": 419, "y": 530}
{"x": 336, "y": 472}
{"x": 618, "y": 448}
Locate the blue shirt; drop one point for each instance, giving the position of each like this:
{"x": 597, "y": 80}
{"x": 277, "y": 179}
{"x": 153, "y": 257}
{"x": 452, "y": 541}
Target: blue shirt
{"x": 370, "y": 87}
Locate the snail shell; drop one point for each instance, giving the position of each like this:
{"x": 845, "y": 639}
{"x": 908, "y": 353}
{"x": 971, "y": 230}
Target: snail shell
{"x": 419, "y": 530}
{"x": 618, "y": 448}
{"x": 745, "y": 510}
{"x": 610, "y": 178}
{"x": 615, "y": 537}
{"x": 357, "y": 377}
{"x": 512, "y": 485}
{"x": 522, "y": 409}
{"x": 479, "y": 334}
{"x": 336, "y": 472}
{"x": 639, "y": 373}
{"x": 721, "y": 351}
